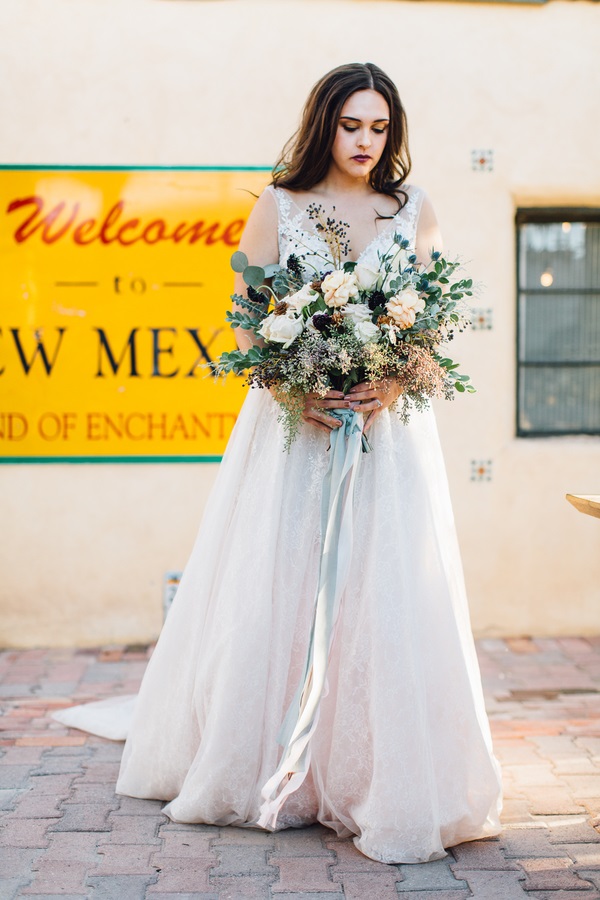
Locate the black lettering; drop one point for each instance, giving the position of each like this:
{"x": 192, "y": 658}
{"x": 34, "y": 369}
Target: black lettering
{"x": 113, "y": 363}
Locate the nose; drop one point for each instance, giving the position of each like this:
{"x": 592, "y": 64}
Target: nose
{"x": 364, "y": 138}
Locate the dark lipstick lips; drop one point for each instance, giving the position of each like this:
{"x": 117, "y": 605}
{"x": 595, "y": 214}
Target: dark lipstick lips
{"x": 361, "y": 158}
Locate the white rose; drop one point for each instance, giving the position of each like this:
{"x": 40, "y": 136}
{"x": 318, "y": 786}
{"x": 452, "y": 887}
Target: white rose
{"x": 358, "y": 312}
{"x": 366, "y": 278}
{"x": 404, "y": 306}
{"x": 301, "y": 298}
{"x": 366, "y": 331}
{"x": 281, "y": 329}
{"x": 338, "y": 287}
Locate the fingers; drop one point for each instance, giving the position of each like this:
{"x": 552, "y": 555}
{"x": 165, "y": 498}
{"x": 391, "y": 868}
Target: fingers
{"x": 315, "y": 411}
{"x": 370, "y": 403}
{"x": 319, "y": 425}
{"x": 320, "y": 419}
{"x": 322, "y": 403}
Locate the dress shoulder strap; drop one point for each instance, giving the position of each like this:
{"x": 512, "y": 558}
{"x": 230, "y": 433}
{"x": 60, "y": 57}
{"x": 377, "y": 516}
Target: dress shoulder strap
{"x": 284, "y": 205}
{"x": 408, "y": 216}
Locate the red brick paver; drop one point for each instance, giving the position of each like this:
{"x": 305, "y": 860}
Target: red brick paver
{"x": 66, "y": 833}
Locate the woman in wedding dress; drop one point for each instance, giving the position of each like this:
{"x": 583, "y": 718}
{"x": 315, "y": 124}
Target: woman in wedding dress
{"x": 401, "y": 755}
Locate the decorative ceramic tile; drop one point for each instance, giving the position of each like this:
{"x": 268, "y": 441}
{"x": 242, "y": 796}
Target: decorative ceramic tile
{"x": 170, "y": 585}
{"x": 481, "y": 470}
{"x": 482, "y": 319}
{"x": 482, "y": 160}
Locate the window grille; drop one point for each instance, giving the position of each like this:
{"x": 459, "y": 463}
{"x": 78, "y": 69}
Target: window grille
{"x": 558, "y": 321}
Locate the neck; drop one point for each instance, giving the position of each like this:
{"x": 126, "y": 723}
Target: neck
{"x": 336, "y": 182}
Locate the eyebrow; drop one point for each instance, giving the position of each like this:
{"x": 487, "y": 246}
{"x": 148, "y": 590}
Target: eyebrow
{"x": 353, "y": 119}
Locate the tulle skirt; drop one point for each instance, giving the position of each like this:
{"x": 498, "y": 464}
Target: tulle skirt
{"x": 402, "y": 757}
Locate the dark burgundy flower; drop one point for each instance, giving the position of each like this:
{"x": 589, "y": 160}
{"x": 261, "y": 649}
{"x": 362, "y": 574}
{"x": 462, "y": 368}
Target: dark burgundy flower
{"x": 376, "y": 299}
{"x": 321, "y": 321}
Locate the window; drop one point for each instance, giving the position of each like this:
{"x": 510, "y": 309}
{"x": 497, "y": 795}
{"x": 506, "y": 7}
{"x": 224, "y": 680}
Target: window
{"x": 558, "y": 321}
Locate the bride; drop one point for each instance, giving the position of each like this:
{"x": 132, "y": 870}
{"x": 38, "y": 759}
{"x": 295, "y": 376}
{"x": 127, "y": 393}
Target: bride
{"x": 401, "y": 756}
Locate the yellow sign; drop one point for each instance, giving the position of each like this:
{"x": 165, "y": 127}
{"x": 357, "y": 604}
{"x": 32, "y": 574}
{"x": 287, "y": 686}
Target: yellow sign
{"x": 114, "y": 286}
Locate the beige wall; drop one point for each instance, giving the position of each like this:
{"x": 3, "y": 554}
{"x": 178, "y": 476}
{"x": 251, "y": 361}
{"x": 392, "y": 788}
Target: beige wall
{"x": 84, "y": 547}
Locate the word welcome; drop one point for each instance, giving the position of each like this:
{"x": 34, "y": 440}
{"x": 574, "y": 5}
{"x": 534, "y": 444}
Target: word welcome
{"x": 64, "y": 222}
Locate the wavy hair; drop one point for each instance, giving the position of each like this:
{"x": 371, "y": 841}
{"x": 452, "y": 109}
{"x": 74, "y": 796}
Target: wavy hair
{"x": 305, "y": 159}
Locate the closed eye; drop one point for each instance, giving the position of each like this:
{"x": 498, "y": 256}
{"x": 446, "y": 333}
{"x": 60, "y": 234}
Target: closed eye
{"x": 375, "y": 130}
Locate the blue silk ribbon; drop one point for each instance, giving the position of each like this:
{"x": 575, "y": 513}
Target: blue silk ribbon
{"x": 301, "y": 719}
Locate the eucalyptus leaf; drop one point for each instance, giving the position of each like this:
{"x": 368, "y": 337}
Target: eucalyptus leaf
{"x": 254, "y": 275}
{"x": 272, "y": 269}
{"x": 239, "y": 261}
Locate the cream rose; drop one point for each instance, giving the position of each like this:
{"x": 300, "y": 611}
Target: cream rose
{"x": 366, "y": 278}
{"x": 404, "y": 306}
{"x": 281, "y": 329}
{"x": 301, "y": 298}
{"x": 338, "y": 287}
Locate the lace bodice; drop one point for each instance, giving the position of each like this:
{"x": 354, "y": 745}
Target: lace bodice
{"x": 297, "y": 234}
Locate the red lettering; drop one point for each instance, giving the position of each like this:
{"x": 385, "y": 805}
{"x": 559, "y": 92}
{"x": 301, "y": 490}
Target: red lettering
{"x": 134, "y": 437}
{"x": 113, "y": 215}
{"x": 22, "y": 235}
{"x": 161, "y": 425}
{"x": 116, "y": 428}
{"x": 196, "y": 421}
{"x": 233, "y": 232}
{"x": 82, "y": 229}
{"x": 197, "y": 230}
{"x": 92, "y": 427}
{"x": 49, "y": 426}
{"x": 160, "y": 227}
{"x": 179, "y": 425}
{"x": 131, "y": 223}
{"x": 59, "y": 221}
{"x": 13, "y": 426}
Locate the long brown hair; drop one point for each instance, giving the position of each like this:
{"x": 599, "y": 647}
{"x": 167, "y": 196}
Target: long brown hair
{"x": 306, "y": 157}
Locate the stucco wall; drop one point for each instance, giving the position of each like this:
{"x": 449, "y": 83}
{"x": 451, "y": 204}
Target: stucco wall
{"x": 84, "y": 548}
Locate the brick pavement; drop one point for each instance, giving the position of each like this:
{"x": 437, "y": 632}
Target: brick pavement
{"x": 66, "y": 834}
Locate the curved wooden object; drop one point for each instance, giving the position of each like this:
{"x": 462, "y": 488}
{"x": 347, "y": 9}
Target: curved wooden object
{"x": 586, "y": 503}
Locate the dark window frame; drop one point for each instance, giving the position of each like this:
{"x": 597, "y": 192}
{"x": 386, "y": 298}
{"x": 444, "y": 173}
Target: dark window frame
{"x": 544, "y": 215}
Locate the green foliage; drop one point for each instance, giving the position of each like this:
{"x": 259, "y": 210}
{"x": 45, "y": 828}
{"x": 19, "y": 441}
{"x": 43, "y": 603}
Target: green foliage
{"x": 258, "y": 309}
{"x": 241, "y": 320}
{"x": 239, "y": 261}
{"x": 254, "y": 276}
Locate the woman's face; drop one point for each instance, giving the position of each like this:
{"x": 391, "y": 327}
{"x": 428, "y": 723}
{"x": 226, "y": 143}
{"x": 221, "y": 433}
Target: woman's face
{"x": 361, "y": 134}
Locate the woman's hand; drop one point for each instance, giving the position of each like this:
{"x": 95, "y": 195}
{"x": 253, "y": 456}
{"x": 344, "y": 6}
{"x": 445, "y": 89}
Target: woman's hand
{"x": 315, "y": 409}
{"x": 372, "y": 397}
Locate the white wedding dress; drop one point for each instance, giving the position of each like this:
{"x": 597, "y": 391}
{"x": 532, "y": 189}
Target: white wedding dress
{"x": 402, "y": 756}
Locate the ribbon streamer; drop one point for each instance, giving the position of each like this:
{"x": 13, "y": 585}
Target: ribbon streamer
{"x": 300, "y": 721}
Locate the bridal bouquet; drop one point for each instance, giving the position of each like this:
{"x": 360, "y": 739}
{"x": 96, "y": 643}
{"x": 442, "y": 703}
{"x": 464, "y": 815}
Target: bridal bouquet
{"x": 349, "y": 324}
